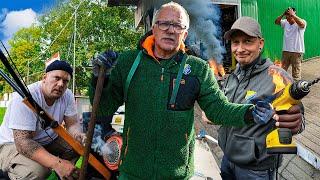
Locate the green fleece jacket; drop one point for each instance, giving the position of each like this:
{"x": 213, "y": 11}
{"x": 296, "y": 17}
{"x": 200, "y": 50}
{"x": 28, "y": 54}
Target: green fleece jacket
{"x": 159, "y": 139}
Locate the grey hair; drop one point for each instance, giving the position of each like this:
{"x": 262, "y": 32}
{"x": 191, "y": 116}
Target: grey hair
{"x": 173, "y": 5}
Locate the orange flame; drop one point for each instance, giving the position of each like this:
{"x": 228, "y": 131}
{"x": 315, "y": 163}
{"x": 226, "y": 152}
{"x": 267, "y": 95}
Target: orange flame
{"x": 217, "y": 69}
{"x": 277, "y": 79}
{"x": 278, "y": 63}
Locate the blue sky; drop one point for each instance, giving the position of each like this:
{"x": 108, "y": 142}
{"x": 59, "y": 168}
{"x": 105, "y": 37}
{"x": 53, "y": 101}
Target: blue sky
{"x": 16, "y": 14}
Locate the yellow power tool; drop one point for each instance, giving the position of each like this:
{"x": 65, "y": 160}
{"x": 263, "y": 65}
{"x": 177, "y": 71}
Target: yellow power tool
{"x": 280, "y": 140}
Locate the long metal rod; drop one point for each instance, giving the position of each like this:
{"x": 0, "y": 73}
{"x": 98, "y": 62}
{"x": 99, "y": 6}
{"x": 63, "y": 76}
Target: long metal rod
{"x": 74, "y": 53}
{"x": 12, "y": 84}
{"x": 15, "y": 77}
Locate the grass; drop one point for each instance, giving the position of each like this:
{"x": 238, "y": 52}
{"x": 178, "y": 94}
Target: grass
{"x": 2, "y": 111}
{"x": 53, "y": 175}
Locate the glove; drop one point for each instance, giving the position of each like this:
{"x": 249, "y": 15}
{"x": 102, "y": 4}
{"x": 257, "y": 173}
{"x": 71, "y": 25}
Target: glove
{"x": 262, "y": 112}
{"x": 108, "y": 59}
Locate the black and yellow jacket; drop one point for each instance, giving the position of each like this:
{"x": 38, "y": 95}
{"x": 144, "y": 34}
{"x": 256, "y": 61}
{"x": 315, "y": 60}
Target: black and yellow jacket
{"x": 159, "y": 138}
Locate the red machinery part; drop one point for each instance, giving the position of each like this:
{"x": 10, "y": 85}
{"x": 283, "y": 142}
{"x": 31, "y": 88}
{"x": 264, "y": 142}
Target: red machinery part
{"x": 112, "y": 159}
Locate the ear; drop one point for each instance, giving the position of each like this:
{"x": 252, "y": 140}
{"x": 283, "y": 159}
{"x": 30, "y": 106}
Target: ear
{"x": 185, "y": 35}
{"x": 44, "y": 77}
{"x": 261, "y": 43}
{"x": 152, "y": 28}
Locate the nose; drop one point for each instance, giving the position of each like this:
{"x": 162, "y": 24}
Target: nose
{"x": 240, "y": 47}
{"x": 171, "y": 28}
{"x": 60, "y": 83}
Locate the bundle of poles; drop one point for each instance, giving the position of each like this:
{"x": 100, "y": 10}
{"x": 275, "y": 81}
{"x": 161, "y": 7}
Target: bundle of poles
{"x": 47, "y": 120}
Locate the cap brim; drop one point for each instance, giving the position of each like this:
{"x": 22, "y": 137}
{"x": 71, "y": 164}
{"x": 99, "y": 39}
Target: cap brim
{"x": 228, "y": 34}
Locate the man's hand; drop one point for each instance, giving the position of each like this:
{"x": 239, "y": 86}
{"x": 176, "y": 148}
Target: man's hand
{"x": 290, "y": 12}
{"x": 81, "y": 137}
{"x": 292, "y": 119}
{"x": 107, "y": 59}
{"x": 262, "y": 112}
{"x": 205, "y": 119}
{"x": 66, "y": 170}
{"x": 285, "y": 12}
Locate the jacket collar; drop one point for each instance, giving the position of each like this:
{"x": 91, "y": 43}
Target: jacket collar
{"x": 147, "y": 43}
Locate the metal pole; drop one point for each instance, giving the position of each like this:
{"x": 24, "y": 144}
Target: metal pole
{"x": 74, "y": 52}
{"x": 28, "y": 73}
{"x": 12, "y": 84}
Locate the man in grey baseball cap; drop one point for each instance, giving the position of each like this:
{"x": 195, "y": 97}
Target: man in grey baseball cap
{"x": 248, "y": 25}
{"x": 245, "y": 152}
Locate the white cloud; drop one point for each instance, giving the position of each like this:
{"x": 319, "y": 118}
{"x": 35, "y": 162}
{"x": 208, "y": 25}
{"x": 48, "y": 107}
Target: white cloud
{"x": 16, "y": 20}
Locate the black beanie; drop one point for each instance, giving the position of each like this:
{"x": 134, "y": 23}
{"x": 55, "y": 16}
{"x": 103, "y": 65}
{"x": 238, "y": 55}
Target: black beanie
{"x": 60, "y": 65}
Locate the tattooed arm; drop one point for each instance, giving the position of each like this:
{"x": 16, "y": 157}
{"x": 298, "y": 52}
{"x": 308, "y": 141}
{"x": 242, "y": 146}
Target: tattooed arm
{"x": 24, "y": 143}
{"x": 33, "y": 150}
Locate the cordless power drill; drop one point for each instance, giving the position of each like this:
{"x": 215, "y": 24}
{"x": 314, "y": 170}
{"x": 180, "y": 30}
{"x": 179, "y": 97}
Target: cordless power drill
{"x": 280, "y": 140}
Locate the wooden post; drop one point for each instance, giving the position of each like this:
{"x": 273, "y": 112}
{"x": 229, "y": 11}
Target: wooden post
{"x": 92, "y": 123}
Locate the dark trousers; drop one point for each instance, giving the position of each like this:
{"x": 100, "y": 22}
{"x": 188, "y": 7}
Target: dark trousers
{"x": 231, "y": 171}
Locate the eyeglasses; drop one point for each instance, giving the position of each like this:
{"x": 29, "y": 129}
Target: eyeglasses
{"x": 165, "y": 25}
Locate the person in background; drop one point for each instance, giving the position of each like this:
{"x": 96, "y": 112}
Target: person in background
{"x": 159, "y": 84}
{"x": 293, "y": 41}
{"x": 26, "y": 150}
{"x": 245, "y": 153}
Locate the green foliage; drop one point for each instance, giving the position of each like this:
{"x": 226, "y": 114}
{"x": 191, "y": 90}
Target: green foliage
{"x": 98, "y": 28}
{"x": 24, "y": 45}
{"x": 2, "y": 111}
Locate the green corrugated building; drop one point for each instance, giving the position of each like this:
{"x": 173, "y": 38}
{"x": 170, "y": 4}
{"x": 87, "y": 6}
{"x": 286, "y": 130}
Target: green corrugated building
{"x": 265, "y": 11}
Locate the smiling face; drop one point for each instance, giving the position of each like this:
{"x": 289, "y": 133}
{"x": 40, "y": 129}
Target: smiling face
{"x": 54, "y": 85}
{"x": 245, "y": 48}
{"x": 167, "y": 42}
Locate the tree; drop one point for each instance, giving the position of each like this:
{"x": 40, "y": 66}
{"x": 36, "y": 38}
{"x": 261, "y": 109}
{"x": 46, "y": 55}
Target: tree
{"x": 98, "y": 28}
{"x": 25, "y": 43}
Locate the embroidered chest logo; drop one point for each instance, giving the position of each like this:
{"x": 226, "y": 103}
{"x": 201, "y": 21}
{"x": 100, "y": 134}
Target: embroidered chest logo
{"x": 187, "y": 69}
{"x": 250, "y": 95}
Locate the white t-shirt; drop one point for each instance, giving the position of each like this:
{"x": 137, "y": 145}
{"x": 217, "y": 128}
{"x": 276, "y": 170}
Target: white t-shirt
{"x": 19, "y": 116}
{"x": 293, "y": 37}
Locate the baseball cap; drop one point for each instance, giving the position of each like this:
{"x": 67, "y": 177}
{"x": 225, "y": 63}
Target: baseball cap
{"x": 60, "y": 65}
{"x": 248, "y": 25}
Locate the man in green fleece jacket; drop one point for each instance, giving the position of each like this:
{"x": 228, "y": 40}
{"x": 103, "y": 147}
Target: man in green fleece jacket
{"x": 159, "y": 84}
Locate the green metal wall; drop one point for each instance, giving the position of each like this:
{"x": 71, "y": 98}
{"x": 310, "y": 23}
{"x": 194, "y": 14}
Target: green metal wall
{"x": 266, "y": 11}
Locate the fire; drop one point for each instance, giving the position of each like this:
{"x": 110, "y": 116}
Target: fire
{"x": 217, "y": 69}
{"x": 277, "y": 79}
{"x": 278, "y": 63}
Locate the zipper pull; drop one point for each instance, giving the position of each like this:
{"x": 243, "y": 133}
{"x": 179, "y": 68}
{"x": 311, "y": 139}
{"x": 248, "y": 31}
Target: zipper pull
{"x": 162, "y": 72}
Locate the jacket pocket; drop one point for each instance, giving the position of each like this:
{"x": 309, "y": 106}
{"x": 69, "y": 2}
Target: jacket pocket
{"x": 241, "y": 149}
{"x": 187, "y": 93}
